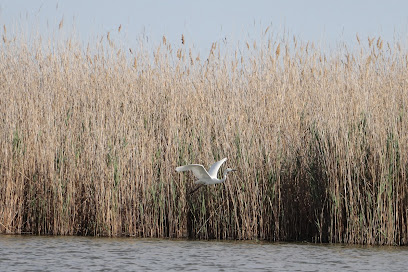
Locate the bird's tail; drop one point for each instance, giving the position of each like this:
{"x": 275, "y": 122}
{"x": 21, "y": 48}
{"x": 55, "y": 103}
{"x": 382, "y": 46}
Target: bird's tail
{"x": 180, "y": 169}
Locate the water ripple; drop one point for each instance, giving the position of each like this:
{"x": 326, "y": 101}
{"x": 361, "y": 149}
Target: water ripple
{"x": 39, "y": 253}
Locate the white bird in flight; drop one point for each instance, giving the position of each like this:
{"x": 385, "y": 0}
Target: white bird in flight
{"x": 205, "y": 177}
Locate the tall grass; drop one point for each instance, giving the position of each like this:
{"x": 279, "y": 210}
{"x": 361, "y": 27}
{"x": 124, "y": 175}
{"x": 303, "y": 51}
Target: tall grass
{"x": 90, "y": 139}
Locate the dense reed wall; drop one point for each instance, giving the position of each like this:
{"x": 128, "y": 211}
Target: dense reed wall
{"x": 90, "y": 139}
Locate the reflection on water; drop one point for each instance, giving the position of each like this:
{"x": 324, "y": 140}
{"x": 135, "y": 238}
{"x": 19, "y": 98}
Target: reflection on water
{"x": 39, "y": 253}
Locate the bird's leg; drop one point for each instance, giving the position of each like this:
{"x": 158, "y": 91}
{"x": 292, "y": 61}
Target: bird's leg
{"x": 195, "y": 189}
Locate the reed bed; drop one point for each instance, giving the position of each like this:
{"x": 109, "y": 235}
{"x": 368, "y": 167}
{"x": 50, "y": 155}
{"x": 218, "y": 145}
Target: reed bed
{"x": 90, "y": 137}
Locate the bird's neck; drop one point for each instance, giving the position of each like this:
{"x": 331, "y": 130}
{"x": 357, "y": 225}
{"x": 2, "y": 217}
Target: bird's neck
{"x": 224, "y": 177}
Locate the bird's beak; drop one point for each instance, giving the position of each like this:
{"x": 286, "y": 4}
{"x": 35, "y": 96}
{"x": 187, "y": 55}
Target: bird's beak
{"x": 233, "y": 170}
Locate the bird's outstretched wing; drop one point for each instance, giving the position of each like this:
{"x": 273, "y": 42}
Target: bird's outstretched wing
{"x": 215, "y": 167}
{"x": 198, "y": 170}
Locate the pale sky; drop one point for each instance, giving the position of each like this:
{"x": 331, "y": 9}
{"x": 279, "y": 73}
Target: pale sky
{"x": 204, "y": 22}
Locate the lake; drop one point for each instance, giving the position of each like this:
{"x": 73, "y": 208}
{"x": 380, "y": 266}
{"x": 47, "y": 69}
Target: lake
{"x": 48, "y": 253}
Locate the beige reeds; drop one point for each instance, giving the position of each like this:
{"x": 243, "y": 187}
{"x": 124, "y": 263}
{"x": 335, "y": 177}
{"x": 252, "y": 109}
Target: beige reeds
{"x": 90, "y": 140}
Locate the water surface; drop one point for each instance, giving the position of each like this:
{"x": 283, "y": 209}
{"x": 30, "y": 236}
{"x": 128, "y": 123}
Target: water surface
{"x": 43, "y": 253}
